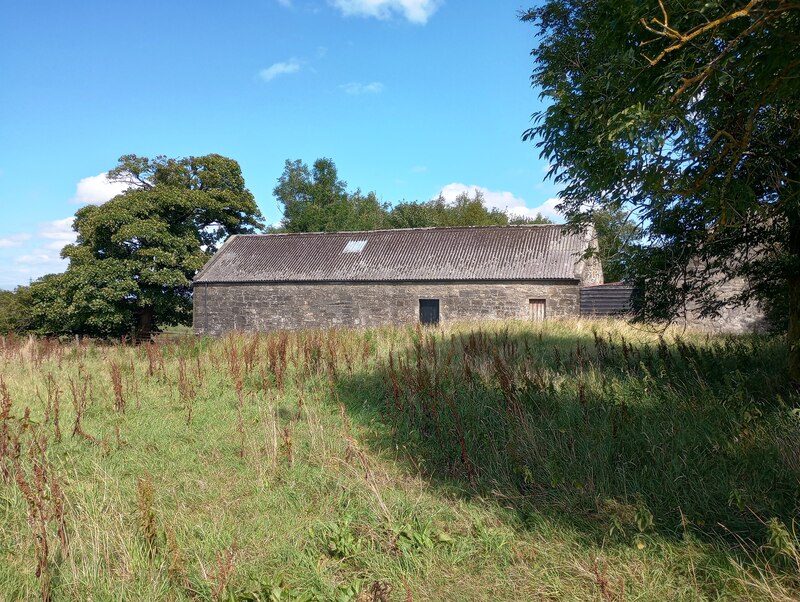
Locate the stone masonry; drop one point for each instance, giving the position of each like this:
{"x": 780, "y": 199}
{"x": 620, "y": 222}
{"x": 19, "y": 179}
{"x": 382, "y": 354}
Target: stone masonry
{"x": 220, "y": 308}
{"x": 732, "y": 319}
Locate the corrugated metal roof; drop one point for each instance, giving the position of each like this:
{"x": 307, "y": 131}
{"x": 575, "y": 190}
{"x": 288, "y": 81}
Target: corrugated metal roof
{"x": 479, "y": 253}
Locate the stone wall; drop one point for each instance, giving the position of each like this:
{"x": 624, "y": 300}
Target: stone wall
{"x": 732, "y": 319}
{"x": 590, "y": 270}
{"x": 220, "y": 308}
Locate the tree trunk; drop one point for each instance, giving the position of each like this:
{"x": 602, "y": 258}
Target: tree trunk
{"x": 144, "y": 323}
{"x": 793, "y": 338}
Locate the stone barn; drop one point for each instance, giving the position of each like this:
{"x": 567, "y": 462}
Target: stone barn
{"x": 428, "y": 275}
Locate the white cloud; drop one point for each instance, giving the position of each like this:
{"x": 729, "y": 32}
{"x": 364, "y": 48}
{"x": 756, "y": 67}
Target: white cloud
{"x": 96, "y": 190}
{"x": 505, "y": 201}
{"x": 284, "y": 68}
{"x": 40, "y": 258}
{"x": 29, "y": 255}
{"x": 58, "y": 232}
{"x": 31, "y": 266}
{"x": 357, "y": 88}
{"x": 548, "y": 209}
{"x": 35, "y": 257}
{"x": 15, "y": 240}
{"x": 419, "y": 169}
{"x": 416, "y": 11}
{"x": 286, "y": 3}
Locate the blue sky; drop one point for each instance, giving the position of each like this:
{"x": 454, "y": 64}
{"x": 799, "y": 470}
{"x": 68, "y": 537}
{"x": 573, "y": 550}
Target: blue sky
{"x": 408, "y": 97}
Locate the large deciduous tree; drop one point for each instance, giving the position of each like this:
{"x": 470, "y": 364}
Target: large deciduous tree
{"x": 316, "y": 200}
{"x": 132, "y": 265}
{"x": 684, "y": 114}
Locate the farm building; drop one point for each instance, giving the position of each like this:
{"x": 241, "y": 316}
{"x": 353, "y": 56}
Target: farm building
{"x": 614, "y": 299}
{"x": 430, "y": 275}
{"x": 606, "y": 300}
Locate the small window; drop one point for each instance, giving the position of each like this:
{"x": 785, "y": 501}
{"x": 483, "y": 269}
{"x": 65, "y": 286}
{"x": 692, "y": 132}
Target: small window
{"x": 355, "y": 246}
{"x": 429, "y": 312}
{"x": 537, "y": 309}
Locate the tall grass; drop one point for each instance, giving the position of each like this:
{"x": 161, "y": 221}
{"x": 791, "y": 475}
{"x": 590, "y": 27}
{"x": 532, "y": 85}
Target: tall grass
{"x": 566, "y": 460}
{"x": 685, "y": 428}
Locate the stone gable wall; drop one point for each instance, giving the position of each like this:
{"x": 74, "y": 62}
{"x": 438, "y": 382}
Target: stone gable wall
{"x": 732, "y": 319}
{"x": 220, "y": 308}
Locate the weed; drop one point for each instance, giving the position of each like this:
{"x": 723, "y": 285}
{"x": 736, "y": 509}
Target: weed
{"x": 186, "y": 389}
{"x": 783, "y": 544}
{"x": 250, "y": 355}
{"x": 5, "y": 438}
{"x": 603, "y": 582}
{"x": 220, "y": 579}
{"x": 415, "y": 536}
{"x": 340, "y": 541}
{"x": 378, "y": 591}
{"x": 288, "y": 446}
{"x": 116, "y": 381}
{"x": 146, "y": 514}
{"x": 45, "y": 503}
{"x": 176, "y": 561}
{"x": 155, "y": 360}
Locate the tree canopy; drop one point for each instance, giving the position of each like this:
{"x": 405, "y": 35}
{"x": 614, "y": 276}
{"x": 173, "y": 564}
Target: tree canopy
{"x": 15, "y": 310}
{"x": 616, "y": 237}
{"x": 316, "y": 200}
{"x": 683, "y": 116}
{"x": 465, "y": 210}
{"x": 135, "y": 256}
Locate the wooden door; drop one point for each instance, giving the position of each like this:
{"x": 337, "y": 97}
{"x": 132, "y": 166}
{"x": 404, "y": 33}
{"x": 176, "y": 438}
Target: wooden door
{"x": 537, "y": 309}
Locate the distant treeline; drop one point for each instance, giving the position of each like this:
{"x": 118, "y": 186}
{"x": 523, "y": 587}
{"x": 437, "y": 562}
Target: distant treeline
{"x": 315, "y": 200}
{"x": 15, "y": 310}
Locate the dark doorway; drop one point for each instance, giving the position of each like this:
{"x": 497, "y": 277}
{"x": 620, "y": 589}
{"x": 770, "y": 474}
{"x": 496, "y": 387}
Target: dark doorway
{"x": 429, "y": 311}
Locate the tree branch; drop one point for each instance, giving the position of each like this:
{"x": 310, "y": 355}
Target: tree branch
{"x": 682, "y": 39}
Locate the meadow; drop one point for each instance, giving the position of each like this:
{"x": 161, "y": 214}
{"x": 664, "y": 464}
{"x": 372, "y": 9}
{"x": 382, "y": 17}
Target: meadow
{"x": 566, "y": 460}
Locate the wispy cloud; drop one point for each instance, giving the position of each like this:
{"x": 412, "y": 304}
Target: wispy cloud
{"x": 57, "y": 233}
{"x": 416, "y": 11}
{"x": 36, "y": 257}
{"x": 35, "y": 254}
{"x": 15, "y": 240}
{"x": 505, "y": 201}
{"x": 28, "y": 255}
{"x": 356, "y": 88}
{"x": 32, "y": 265}
{"x": 96, "y": 190}
{"x": 282, "y": 68}
{"x": 286, "y": 3}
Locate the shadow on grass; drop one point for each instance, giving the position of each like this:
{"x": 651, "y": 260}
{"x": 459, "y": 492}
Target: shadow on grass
{"x": 611, "y": 437}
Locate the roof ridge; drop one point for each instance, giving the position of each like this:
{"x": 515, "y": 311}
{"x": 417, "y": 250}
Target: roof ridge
{"x": 424, "y": 229}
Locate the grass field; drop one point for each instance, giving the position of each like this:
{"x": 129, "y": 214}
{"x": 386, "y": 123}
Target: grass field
{"x": 511, "y": 461}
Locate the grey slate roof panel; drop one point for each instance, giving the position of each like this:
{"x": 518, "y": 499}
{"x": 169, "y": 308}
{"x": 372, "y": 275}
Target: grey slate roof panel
{"x": 424, "y": 254}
